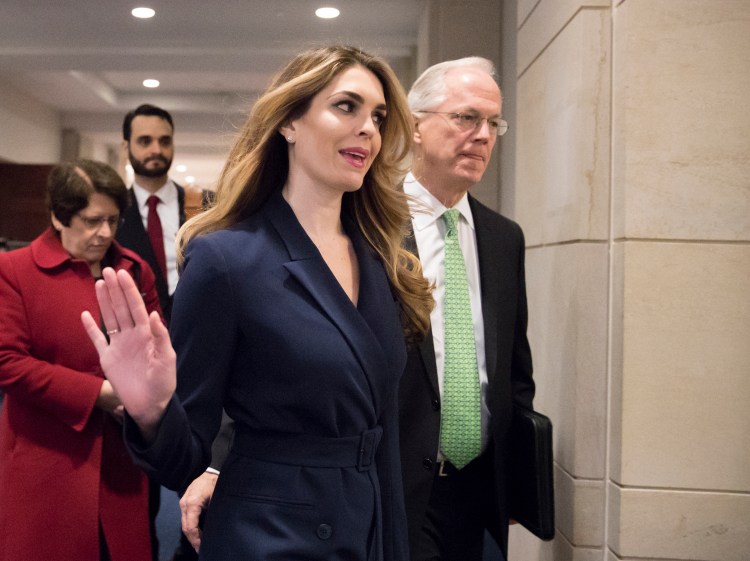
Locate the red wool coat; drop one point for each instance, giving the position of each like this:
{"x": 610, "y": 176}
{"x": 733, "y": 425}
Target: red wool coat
{"x": 64, "y": 469}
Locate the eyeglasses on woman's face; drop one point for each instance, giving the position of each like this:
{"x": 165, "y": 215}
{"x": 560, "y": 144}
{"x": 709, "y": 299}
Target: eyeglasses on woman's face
{"x": 95, "y": 222}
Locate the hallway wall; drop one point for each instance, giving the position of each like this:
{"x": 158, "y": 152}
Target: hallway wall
{"x": 629, "y": 174}
{"x": 31, "y": 131}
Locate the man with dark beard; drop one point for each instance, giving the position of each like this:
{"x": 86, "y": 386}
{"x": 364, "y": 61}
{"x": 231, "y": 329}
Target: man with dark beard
{"x": 150, "y": 223}
{"x": 157, "y": 204}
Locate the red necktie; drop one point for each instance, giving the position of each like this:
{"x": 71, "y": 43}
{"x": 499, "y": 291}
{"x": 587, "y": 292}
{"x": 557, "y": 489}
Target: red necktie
{"x": 155, "y": 234}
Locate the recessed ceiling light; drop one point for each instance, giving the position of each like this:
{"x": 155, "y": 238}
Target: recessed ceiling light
{"x": 190, "y": 179}
{"x": 150, "y": 83}
{"x": 182, "y": 168}
{"x": 327, "y": 13}
{"x": 143, "y": 13}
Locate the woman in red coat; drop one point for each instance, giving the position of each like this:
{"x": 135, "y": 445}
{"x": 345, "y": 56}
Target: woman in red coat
{"x": 68, "y": 488}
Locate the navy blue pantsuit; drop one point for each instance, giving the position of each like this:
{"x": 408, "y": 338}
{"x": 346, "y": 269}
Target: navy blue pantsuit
{"x": 263, "y": 329}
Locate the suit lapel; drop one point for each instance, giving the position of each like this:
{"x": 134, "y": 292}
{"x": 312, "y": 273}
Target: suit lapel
{"x": 181, "y": 203}
{"x": 427, "y": 346}
{"x": 489, "y": 279}
{"x": 307, "y": 266}
{"x": 132, "y": 234}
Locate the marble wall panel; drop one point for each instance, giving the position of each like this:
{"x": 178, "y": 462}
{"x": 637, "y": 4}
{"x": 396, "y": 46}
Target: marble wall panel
{"x": 579, "y": 509}
{"x": 524, "y": 9}
{"x": 539, "y": 24}
{"x": 684, "y": 387}
{"x": 682, "y": 119}
{"x": 523, "y": 546}
{"x": 567, "y": 294}
{"x": 666, "y": 524}
{"x": 562, "y": 135}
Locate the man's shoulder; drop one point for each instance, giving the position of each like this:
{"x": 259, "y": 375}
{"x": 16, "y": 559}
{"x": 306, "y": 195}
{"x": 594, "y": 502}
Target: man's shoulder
{"x": 132, "y": 200}
{"x": 131, "y": 217}
{"x": 207, "y": 194}
{"x": 489, "y": 217}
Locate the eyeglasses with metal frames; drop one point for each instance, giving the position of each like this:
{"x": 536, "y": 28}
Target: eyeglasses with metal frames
{"x": 95, "y": 222}
{"x": 470, "y": 121}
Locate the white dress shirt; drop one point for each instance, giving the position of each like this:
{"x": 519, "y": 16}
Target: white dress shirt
{"x": 169, "y": 214}
{"x": 429, "y": 233}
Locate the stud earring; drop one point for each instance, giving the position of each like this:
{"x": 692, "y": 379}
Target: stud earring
{"x": 290, "y": 139}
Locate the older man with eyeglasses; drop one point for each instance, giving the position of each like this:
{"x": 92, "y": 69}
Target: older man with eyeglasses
{"x": 460, "y": 384}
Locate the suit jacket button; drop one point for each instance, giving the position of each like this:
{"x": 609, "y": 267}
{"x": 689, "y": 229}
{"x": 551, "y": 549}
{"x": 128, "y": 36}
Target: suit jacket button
{"x": 427, "y": 463}
{"x": 324, "y": 531}
{"x": 436, "y": 405}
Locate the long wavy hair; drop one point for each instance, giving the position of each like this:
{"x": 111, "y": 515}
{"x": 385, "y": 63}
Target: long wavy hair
{"x": 258, "y": 165}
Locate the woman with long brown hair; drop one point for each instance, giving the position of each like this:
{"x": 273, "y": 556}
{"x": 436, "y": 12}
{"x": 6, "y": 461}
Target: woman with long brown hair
{"x": 292, "y": 313}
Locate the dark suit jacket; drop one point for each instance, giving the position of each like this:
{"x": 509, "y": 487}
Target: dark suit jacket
{"x": 133, "y": 235}
{"x": 263, "y": 329}
{"x": 500, "y": 245}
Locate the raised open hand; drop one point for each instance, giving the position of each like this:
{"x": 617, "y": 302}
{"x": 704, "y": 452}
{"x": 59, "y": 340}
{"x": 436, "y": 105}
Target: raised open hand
{"x": 139, "y": 360}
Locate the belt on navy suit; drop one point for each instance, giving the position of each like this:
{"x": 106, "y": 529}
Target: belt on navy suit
{"x": 308, "y": 450}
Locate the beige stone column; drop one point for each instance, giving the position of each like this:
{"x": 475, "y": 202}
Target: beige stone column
{"x": 631, "y": 179}
{"x": 561, "y": 198}
{"x": 679, "y": 483}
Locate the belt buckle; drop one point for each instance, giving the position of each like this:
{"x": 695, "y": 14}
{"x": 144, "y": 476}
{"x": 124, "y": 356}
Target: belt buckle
{"x": 368, "y": 445}
{"x": 441, "y": 469}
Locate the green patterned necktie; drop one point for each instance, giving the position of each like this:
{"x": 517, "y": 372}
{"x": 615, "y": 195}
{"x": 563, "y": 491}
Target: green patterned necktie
{"x": 460, "y": 425}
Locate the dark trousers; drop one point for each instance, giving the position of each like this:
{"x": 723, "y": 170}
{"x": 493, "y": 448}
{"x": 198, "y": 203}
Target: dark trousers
{"x": 454, "y": 523}
{"x": 154, "y": 502}
{"x": 184, "y": 551}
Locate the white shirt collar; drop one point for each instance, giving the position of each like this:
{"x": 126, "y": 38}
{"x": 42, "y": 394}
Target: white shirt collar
{"x": 167, "y": 193}
{"x": 427, "y": 208}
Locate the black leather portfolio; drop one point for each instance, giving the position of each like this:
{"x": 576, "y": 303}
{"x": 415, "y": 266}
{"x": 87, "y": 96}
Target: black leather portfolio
{"x": 532, "y": 500}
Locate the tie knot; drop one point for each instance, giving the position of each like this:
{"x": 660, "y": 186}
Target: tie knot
{"x": 451, "y": 219}
{"x": 152, "y": 201}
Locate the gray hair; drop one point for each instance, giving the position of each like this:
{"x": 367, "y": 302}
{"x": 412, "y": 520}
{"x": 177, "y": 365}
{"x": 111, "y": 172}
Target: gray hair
{"x": 429, "y": 90}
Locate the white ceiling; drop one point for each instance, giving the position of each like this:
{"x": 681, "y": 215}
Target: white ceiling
{"x": 87, "y": 59}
